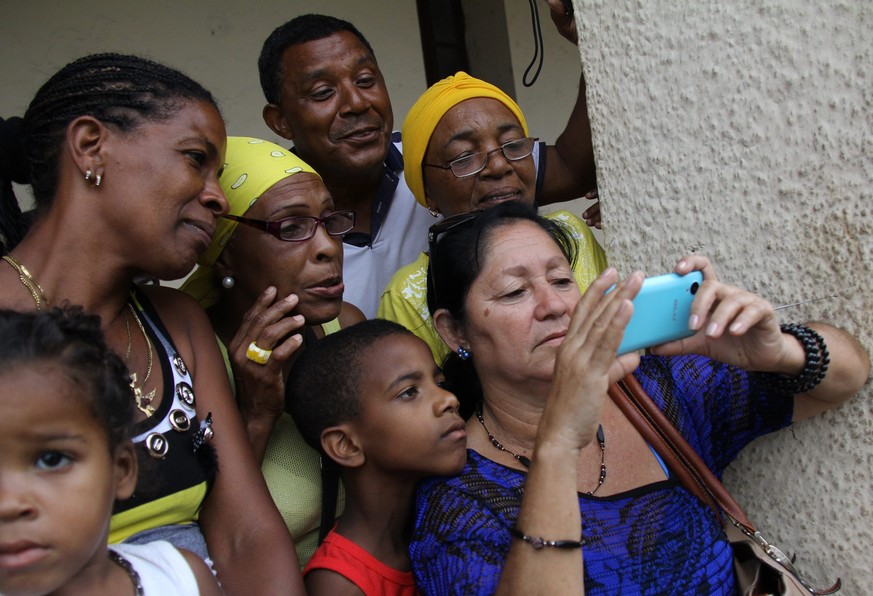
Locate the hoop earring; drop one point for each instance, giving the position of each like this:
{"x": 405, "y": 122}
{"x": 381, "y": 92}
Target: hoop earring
{"x": 227, "y": 282}
{"x": 88, "y": 174}
{"x": 463, "y": 353}
{"x": 98, "y": 180}
{"x": 434, "y": 212}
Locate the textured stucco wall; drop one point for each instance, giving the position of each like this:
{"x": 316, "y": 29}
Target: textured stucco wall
{"x": 744, "y": 131}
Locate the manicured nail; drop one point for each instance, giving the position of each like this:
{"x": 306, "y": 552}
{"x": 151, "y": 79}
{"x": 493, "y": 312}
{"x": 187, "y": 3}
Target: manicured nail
{"x": 712, "y": 329}
{"x": 736, "y": 327}
{"x": 693, "y": 322}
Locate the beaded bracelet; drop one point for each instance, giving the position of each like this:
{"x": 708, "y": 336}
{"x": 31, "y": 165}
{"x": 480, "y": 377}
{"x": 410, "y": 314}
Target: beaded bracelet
{"x": 817, "y": 360}
{"x": 540, "y": 543}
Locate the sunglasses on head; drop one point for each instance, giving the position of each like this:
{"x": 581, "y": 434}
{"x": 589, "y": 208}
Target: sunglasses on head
{"x": 437, "y": 230}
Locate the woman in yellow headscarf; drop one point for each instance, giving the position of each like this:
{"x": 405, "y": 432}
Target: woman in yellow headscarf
{"x": 271, "y": 282}
{"x": 466, "y": 147}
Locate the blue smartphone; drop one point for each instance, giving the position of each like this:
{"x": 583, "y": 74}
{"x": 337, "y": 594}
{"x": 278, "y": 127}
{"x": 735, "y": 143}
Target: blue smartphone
{"x": 661, "y": 311}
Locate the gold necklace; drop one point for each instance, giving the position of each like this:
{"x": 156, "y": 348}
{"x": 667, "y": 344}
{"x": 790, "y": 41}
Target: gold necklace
{"x": 28, "y": 281}
{"x": 143, "y": 400}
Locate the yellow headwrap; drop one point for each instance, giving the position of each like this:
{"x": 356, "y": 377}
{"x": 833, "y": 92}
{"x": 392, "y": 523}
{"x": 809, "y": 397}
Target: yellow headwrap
{"x": 425, "y": 114}
{"x": 252, "y": 167}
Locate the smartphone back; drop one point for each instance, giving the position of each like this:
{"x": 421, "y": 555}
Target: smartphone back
{"x": 661, "y": 311}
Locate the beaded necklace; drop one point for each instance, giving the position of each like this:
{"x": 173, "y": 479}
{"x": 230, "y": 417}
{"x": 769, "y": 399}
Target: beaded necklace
{"x": 601, "y": 439}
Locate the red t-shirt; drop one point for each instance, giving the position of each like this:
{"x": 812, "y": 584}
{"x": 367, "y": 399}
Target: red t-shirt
{"x": 374, "y": 578}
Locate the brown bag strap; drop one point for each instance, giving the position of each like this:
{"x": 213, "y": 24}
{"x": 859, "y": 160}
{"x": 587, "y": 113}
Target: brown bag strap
{"x": 677, "y": 454}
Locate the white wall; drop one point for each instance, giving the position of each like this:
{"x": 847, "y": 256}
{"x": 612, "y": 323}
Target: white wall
{"x": 217, "y": 43}
{"x": 744, "y": 131}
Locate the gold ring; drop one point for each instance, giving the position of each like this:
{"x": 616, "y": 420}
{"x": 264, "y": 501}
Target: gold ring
{"x": 258, "y": 355}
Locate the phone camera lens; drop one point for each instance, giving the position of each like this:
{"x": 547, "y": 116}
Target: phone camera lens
{"x": 694, "y": 287}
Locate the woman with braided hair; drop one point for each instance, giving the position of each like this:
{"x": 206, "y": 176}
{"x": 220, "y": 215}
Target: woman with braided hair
{"x": 124, "y": 156}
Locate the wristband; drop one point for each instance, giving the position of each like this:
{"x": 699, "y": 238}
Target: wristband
{"x": 540, "y": 543}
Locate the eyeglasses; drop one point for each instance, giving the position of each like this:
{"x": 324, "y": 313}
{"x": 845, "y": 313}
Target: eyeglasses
{"x": 301, "y": 227}
{"x": 476, "y": 162}
{"x": 436, "y": 231}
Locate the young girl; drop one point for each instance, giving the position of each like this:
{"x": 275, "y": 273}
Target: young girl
{"x": 66, "y": 415}
{"x": 124, "y": 155}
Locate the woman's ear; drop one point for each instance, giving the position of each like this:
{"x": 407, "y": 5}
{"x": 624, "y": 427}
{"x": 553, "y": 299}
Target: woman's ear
{"x": 125, "y": 471}
{"x": 449, "y": 329}
{"x": 431, "y": 205}
{"x": 86, "y": 136}
{"x": 341, "y": 444}
{"x": 221, "y": 267}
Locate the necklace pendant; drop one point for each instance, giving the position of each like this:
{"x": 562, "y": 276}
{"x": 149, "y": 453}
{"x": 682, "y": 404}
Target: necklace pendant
{"x": 143, "y": 400}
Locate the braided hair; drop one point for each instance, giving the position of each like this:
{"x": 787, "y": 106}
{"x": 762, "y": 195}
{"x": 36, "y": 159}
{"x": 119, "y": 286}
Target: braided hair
{"x": 120, "y": 90}
{"x": 13, "y": 168}
{"x": 72, "y": 339}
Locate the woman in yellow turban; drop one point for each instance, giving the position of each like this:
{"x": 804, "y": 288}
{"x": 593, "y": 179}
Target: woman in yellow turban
{"x": 271, "y": 282}
{"x": 466, "y": 147}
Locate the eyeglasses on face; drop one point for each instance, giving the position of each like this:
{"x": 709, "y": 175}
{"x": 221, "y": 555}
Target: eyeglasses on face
{"x": 476, "y": 162}
{"x": 301, "y": 227}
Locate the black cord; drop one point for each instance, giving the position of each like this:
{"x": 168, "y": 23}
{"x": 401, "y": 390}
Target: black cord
{"x": 538, "y": 46}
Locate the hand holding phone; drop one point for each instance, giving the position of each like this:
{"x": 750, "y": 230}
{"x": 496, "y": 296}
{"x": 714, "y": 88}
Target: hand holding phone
{"x": 661, "y": 311}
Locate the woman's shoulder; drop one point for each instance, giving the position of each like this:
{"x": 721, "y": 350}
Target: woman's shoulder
{"x": 184, "y": 319}
{"x": 481, "y": 480}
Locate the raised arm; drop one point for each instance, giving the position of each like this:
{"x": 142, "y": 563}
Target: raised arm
{"x": 260, "y": 388}
{"x": 570, "y": 171}
{"x": 246, "y": 537}
{"x": 586, "y": 366}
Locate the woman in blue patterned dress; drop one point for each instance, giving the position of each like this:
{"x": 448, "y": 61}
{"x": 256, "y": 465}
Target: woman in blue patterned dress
{"x": 561, "y": 494}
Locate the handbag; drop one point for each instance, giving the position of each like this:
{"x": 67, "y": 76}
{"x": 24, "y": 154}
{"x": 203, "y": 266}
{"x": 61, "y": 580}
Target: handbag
{"x": 760, "y": 567}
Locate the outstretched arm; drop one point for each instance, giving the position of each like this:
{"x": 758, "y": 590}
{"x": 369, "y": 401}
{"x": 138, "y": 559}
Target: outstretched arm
{"x": 739, "y": 328}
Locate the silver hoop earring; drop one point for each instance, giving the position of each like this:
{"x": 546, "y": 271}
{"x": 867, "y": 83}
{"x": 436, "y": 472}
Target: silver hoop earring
{"x": 227, "y": 282}
{"x": 434, "y": 212}
{"x": 98, "y": 180}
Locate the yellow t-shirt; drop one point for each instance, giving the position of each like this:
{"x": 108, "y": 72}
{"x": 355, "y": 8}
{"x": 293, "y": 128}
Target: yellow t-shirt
{"x": 292, "y": 470}
{"x": 404, "y": 300}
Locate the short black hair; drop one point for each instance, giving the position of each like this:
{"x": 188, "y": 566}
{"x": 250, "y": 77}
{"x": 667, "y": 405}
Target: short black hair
{"x": 324, "y": 385}
{"x": 73, "y": 340}
{"x": 302, "y": 29}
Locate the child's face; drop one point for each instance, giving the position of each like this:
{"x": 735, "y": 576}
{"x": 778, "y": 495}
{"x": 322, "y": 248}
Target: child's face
{"x": 58, "y": 481}
{"x": 408, "y": 422}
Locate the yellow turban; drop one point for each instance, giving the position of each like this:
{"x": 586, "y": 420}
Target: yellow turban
{"x": 426, "y": 113}
{"x": 252, "y": 167}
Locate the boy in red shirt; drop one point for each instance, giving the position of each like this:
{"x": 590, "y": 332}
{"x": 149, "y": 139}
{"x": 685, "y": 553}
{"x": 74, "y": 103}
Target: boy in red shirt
{"x": 371, "y": 399}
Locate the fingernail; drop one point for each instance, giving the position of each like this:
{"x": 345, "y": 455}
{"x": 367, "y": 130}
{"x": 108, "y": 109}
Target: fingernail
{"x": 712, "y": 329}
{"x": 736, "y": 327}
{"x": 693, "y": 321}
